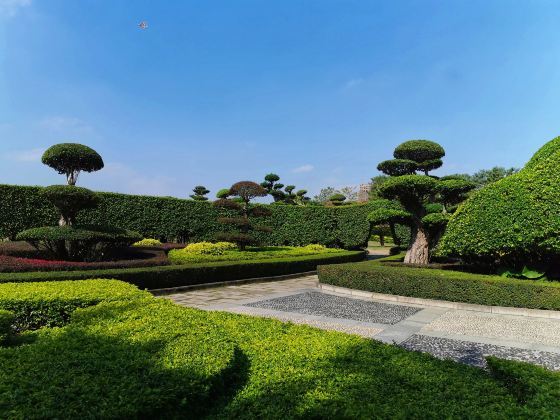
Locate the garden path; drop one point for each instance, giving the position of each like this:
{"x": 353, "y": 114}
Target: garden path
{"x": 463, "y": 335}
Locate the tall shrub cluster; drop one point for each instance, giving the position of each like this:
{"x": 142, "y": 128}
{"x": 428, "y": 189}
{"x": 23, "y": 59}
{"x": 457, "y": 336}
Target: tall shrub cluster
{"x": 515, "y": 221}
{"x": 422, "y": 202}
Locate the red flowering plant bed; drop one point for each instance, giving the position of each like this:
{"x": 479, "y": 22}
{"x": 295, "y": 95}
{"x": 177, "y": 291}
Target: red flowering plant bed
{"x": 21, "y": 257}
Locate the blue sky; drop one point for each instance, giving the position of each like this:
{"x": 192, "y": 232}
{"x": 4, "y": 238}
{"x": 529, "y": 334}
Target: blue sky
{"x": 319, "y": 92}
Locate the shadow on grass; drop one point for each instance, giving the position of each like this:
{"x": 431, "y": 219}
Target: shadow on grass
{"x": 73, "y": 372}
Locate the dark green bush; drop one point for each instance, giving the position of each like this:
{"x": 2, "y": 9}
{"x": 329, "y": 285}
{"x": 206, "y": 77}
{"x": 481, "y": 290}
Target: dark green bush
{"x": 7, "y": 320}
{"x": 514, "y": 221}
{"x": 79, "y": 242}
{"x": 184, "y": 275}
{"x": 164, "y": 218}
{"x": 36, "y": 305}
{"x": 443, "y": 284}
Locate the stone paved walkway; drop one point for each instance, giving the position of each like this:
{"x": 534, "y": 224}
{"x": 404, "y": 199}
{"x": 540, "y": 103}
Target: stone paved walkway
{"x": 464, "y": 336}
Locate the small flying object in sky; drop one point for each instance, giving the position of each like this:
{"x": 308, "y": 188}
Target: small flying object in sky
{"x": 143, "y": 25}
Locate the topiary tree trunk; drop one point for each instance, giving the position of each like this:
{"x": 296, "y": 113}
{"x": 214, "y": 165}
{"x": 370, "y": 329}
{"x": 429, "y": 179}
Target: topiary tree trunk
{"x": 419, "y": 249}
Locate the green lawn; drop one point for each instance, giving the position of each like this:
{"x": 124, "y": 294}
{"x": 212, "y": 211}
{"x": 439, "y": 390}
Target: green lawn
{"x": 144, "y": 357}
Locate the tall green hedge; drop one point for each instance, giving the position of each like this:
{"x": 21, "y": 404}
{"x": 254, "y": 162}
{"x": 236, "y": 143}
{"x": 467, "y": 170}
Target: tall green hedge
{"x": 21, "y": 207}
{"x": 515, "y": 220}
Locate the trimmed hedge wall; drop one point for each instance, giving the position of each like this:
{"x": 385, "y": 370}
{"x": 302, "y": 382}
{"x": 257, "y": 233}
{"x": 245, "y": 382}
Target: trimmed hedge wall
{"x": 183, "y": 275}
{"x": 22, "y": 208}
{"x": 443, "y": 285}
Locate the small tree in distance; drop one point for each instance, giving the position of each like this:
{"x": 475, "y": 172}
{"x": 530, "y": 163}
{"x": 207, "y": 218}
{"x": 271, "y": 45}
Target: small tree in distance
{"x": 72, "y": 158}
{"x": 241, "y": 194}
{"x": 223, "y": 193}
{"x": 337, "y": 199}
{"x": 200, "y": 192}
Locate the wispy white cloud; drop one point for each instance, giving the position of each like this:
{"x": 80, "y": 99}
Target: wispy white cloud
{"x": 10, "y": 8}
{"x": 119, "y": 177}
{"x": 30, "y": 155}
{"x": 303, "y": 168}
{"x": 63, "y": 124}
{"x": 352, "y": 83}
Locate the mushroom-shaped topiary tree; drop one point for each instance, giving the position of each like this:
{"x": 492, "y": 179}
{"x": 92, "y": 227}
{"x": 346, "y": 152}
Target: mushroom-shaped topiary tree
{"x": 223, "y": 193}
{"x": 72, "y": 158}
{"x": 69, "y": 200}
{"x": 337, "y": 199}
{"x": 241, "y": 194}
{"x": 416, "y": 196}
{"x": 200, "y": 192}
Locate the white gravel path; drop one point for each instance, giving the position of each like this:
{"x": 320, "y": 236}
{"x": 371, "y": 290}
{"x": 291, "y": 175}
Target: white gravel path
{"x": 507, "y": 327}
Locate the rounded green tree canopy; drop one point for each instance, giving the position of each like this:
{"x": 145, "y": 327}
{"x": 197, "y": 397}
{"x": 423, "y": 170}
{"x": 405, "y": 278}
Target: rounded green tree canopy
{"x": 515, "y": 220}
{"x": 408, "y": 188}
{"x": 70, "y": 200}
{"x": 72, "y": 158}
{"x": 419, "y": 151}
{"x": 397, "y": 167}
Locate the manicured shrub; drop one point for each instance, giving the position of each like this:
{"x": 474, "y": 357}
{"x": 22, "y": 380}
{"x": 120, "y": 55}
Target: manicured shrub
{"x": 36, "y": 305}
{"x": 7, "y": 320}
{"x": 72, "y": 158}
{"x": 79, "y": 243}
{"x": 207, "y": 248}
{"x": 201, "y": 273}
{"x": 206, "y": 252}
{"x": 183, "y": 220}
{"x": 443, "y": 284}
{"x": 514, "y": 221}
{"x": 148, "y": 242}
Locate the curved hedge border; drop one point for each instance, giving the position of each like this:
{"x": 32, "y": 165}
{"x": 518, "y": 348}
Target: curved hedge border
{"x": 447, "y": 285}
{"x": 184, "y": 275}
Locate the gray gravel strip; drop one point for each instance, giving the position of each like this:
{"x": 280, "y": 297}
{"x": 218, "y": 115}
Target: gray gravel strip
{"x": 473, "y": 354}
{"x": 322, "y": 304}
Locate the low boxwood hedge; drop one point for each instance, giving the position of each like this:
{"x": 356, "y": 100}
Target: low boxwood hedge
{"x": 184, "y": 275}
{"x": 448, "y": 285}
{"x": 35, "y": 305}
{"x": 150, "y": 358}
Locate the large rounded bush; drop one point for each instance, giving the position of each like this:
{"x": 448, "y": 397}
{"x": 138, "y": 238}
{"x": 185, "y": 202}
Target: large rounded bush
{"x": 515, "y": 221}
{"x": 419, "y": 151}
